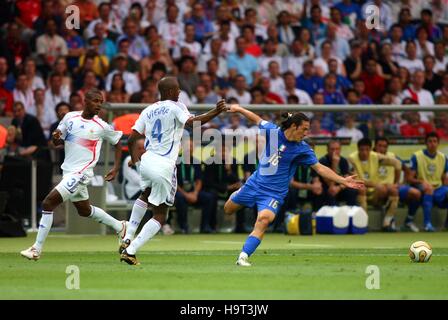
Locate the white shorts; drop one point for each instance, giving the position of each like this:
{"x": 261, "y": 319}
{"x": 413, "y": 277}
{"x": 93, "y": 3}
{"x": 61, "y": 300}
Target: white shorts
{"x": 73, "y": 187}
{"x": 159, "y": 174}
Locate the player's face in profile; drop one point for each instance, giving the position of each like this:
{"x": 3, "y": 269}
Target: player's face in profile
{"x": 432, "y": 144}
{"x": 381, "y": 147}
{"x": 93, "y": 104}
{"x": 302, "y": 131}
{"x": 364, "y": 152}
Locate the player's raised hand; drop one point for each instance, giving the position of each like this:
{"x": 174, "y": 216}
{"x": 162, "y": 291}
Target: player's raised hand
{"x": 111, "y": 175}
{"x": 353, "y": 183}
{"x": 221, "y": 105}
{"x": 233, "y": 108}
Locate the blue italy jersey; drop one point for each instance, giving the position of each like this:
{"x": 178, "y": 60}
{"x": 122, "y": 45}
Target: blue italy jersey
{"x": 279, "y": 162}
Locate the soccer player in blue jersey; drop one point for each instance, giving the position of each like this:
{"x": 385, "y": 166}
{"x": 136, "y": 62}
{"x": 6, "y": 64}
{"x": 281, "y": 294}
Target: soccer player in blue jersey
{"x": 267, "y": 187}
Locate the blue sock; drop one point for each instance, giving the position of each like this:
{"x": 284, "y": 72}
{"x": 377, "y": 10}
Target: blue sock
{"x": 251, "y": 245}
{"x": 427, "y": 208}
{"x": 412, "y": 210}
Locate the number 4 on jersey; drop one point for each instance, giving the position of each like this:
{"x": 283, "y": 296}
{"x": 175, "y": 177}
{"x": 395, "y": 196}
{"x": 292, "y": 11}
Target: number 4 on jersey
{"x": 156, "y": 132}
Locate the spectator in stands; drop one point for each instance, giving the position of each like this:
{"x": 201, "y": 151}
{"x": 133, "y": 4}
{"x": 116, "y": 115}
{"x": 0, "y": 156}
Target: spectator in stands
{"x": 61, "y": 109}
{"x": 417, "y": 93}
{"x": 387, "y": 66}
{"x": 88, "y": 11}
{"x": 189, "y": 44}
{"x": 269, "y": 95}
{"x": 374, "y": 83}
{"x": 6, "y": 101}
{"x": 308, "y": 81}
{"x": 316, "y": 130}
{"x": 331, "y": 94}
{"x": 53, "y": 95}
{"x": 171, "y": 28}
{"x": 32, "y": 136}
{"x": 61, "y": 69}
{"x": 105, "y": 17}
{"x": 414, "y": 126}
{"x": 190, "y": 192}
{"x": 188, "y": 78}
{"x": 366, "y": 164}
{"x": 15, "y": 46}
{"x": 90, "y": 82}
{"x": 132, "y": 83}
{"x": 224, "y": 15}
{"x": 250, "y": 18}
{"x": 440, "y": 58}
{"x": 287, "y": 33}
{"x": 353, "y": 63}
{"x": 34, "y": 80}
{"x": 398, "y": 45}
{"x": 342, "y": 82}
{"x": 277, "y": 83}
{"x": 273, "y": 35}
{"x": 117, "y": 91}
{"x": 215, "y": 53}
{"x": 428, "y": 24}
{"x": 156, "y": 56}
{"x": 242, "y": 63}
{"x": 7, "y": 80}
{"x": 100, "y": 61}
{"x": 321, "y": 63}
{"x": 424, "y": 47}
{"x": 269, "y": 55}
{"x": 203, "y": 27}
{"x": 210, "y": 94}
{"x": 23, "y": 92}
{"x": 314, "y": 24}
{"x": 411, "y": 61}
{"x": 220, "y": 84}
{"x": 107, "y": 46}
{"x": 433, "y": 81}
{"x": 42, "y": 112}
{"x": 75, "y": 47}
{"x": 444, "y": 90}
{"x": 123, "y": 49}
{"x": 138, "y": 49}
{"x": 294, "y": 61}
{"x": 234, "y": 126}
{"x": 290, "y": 89}
{"x": 50, "y": 46}
{"x": 199, "y": 96}
{"x": 131, "y": 177}
{"x": 75, "y": 101}
{"x": 239, "y": 90}
{"x": 349, "y": 130}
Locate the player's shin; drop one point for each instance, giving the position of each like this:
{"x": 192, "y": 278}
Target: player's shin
{"x": 391, "y": 210}
{"x": 44, "y": 228}
{"x": 99, "y": 215}
{"x": 427, "y": 208}
{"x": 250, "y": 246}
{"x": 412, "y": 210}
{"x": 149, "y": 230}
{"x": 138, "y": 212}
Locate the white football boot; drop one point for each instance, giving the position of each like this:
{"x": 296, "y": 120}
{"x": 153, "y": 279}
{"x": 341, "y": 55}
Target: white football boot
{"x": 243, "y": 261}
{"x": 31, "y": 254}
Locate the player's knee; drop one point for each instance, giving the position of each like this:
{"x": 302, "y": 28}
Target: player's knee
{"x": 428, "y": 189}
{"x": 84, "y": 212}
{"x": 414, "y": 194}
{"x": 228, "y": 207}
{"x": 161, "y": 218}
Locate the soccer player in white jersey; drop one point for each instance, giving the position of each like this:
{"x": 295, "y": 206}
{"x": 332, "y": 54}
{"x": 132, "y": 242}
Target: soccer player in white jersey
{"x": 82, "y": 133}
{"x": 162, "y": 125}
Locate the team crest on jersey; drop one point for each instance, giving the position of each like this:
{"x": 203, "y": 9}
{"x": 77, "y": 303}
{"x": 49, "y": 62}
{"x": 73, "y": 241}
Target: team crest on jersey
{"x": 431, "y": 168}
{"x": 382, "y": 171}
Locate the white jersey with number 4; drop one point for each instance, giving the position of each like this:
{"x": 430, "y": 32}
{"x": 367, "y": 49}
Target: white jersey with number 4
{"x": 162, "y": 124}
{"x": 83, "y": 139}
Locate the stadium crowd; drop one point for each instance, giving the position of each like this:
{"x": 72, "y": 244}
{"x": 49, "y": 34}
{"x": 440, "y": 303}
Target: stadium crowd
{"x": 246, "y": 51}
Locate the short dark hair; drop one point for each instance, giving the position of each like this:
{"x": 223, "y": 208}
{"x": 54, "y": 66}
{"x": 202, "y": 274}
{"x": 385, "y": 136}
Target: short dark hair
{"x": 293, "y": 118}
{"x": 365, "y": 142}
{"x": 61, "y": 104}
{"x": 378, "y": 139}
{"x": 432, "y": 134}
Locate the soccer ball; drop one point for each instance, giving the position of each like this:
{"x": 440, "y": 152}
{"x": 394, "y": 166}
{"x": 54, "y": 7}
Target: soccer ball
{"x": 420, "y": 251}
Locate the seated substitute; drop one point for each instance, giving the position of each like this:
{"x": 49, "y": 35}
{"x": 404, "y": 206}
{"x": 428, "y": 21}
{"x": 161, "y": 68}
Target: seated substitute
{"x": 366, "y": 164}
{"x": 333, "y": 193}
{"x": 190, "y": 192}
{"x": 429, "y": 169}
{"x": 409, "y": 195}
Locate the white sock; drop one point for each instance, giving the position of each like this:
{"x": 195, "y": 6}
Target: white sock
{"x": 138, "y": 212}
{"x": 243, "y": 255}
{"x": 149, "y": 230}
{"x": 99, "y": 215}
{"x": 44, "y": 228}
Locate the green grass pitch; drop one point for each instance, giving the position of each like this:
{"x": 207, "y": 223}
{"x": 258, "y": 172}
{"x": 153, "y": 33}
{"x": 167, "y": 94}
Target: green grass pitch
{"x": 202, "y": 267}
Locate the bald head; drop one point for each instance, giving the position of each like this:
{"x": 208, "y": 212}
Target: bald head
{"x": 169, "y": 88}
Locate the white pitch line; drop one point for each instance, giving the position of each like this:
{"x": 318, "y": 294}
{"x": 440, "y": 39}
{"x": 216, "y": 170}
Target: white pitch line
{"x": 221, "y": 242}
{"x": 310, "y": 245}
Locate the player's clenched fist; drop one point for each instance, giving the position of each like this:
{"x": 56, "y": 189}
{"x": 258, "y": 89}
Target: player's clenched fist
{"x": 221, "y": 105}
{"x": 57, "y": 134}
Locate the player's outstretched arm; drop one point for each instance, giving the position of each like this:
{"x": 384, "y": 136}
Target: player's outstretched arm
{"x": 349, "y": 182}
{"x": 206, "y": 117}
{"x": 116, "y": 168}
{"x": 135, "y": 157}
{"x": 236, "y": 108}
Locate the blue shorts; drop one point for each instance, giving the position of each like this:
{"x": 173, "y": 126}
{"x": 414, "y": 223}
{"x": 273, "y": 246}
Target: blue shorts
{"x": 403, "y": 192}
{"x": 250, "y": 197}
{"x": 440, "y": 197}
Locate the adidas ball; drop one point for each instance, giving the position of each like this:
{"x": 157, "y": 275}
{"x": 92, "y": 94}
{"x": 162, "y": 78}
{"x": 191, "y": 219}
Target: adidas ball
{"x": 420, "y": 251}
